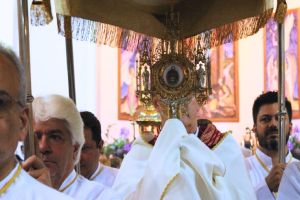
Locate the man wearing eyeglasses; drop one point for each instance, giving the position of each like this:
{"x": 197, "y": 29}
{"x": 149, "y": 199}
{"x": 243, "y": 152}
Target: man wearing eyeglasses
{"x": 90, "y": 167}
{"x": 15, "y": 183}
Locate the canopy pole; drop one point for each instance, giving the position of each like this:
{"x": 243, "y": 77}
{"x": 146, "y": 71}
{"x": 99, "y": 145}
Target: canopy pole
{"x": 281, "y": 93}
{"x": 24, "y": 52}
{"x": 70, "y": 65}
{"x": 70, "y": 60}
{"x": 279, "y": 18}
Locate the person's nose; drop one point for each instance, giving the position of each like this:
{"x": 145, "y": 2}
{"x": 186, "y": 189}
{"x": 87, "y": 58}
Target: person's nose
{"x": 44, "y": 146}
{"x": 274, "y": 121}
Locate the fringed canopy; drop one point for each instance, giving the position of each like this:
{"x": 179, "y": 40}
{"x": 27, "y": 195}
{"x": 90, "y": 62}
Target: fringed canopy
{"x": 125, "y": 23}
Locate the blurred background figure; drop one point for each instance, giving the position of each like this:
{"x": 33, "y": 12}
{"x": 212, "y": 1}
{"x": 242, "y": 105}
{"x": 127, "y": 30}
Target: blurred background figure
{"x": 248, "y": 143}
{"x": 115, "y": 162}
{"x": 90, "y": 166}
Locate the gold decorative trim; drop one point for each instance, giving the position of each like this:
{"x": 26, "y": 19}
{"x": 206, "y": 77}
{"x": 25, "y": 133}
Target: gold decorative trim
{"x": 281, "y": 10}
{"x": 69, "y": 184}
{"x": 223, "y": 138}
{"x": 162, "y": 196}
{"x": 98, "y": 172}
{"x": 10, "y": 181}
{"x": 40, "y": 12}
{"x": 186, "y": 80}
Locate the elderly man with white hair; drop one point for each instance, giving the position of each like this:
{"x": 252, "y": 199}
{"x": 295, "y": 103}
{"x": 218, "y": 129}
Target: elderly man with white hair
{"x": 59, "y": 130}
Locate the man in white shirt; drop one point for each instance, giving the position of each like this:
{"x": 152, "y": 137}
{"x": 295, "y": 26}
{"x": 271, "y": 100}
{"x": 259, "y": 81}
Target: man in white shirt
{"x": 180, "y": 166}
{"x": 90, "y": 167}
{"x": 15, "y": 183}
{"x": 59, "y": 131}
{"x": 264, "y": 168}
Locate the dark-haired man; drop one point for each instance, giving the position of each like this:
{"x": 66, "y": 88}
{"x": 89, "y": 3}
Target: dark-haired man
{"x": 264, "y": 167}
{"x": 90, "y": 167}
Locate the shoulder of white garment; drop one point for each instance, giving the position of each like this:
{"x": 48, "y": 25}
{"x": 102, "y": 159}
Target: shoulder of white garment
{"x": 106, "y": 176}
{"x": 27, "y": 188}
{"x": 109, "y": 194}
{"x": 262, "y": 191}
{"x": 293, "y": 167}
{"x": 290, "y": 184}
{"x": 82, "y": 188}
{"x": 110, "y": 170}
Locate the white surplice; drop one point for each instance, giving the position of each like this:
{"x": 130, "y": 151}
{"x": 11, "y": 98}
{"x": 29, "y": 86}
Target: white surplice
{"x": 81, "y": 188}
{"x": 180, "y": 166}
{"x": 289, "y": 188}
{"x": 27, "y": 188}
{"x": 258, "y": 173}
{"x": 105, "y": 175}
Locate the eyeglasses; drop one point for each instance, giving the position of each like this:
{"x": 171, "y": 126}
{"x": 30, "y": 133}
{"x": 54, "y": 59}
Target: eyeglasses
{"x": 6, "y": 102}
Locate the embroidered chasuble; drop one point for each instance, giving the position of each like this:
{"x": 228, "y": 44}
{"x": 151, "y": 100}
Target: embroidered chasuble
{"x": 180, "y": 166}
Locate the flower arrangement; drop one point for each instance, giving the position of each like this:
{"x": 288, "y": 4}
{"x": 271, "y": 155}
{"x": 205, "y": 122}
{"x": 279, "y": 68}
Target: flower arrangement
{"x": 294, "y": 142}
{"x": 119, "y": 147}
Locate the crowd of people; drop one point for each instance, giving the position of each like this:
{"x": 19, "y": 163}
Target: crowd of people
{"x": 190, "y": 159}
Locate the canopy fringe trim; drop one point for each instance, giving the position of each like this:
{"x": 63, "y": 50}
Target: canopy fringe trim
{"x": 105, "y": 34}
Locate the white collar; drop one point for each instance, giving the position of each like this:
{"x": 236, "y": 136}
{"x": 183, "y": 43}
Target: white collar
{"x": 70, "y": 178}
{"x": 268, "y": 160}
{"x": 97, "y": 171}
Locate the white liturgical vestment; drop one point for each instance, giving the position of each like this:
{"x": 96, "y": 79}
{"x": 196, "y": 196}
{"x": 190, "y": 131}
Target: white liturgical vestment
{"x": 259, "y": 166}
{"x": 105, "y": 175}
{"x": 24, "y": 187}
{"x": 80, "y": 188}
{"x": 180, "y": 166}
{"x": 289, "y": 188}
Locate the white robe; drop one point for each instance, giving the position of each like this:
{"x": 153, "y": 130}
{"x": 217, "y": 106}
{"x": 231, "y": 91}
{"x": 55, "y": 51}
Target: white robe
{"x": 258, "y": 174}
{"x": 289, "y": 188}
{"x": 180, "y": 166}
{"x": 82, "y": 188}
{"x": 105, "y": 175}
{"x": 27, "y": 188}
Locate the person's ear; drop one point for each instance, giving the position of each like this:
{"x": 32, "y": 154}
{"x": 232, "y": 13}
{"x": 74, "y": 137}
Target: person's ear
{"x": 290, "y": 126}
{"x": 254, "y": 129}
{"x": 23, "y": 123}
{"x": 75, "y": 151}
{"x": 100, "y": 145}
